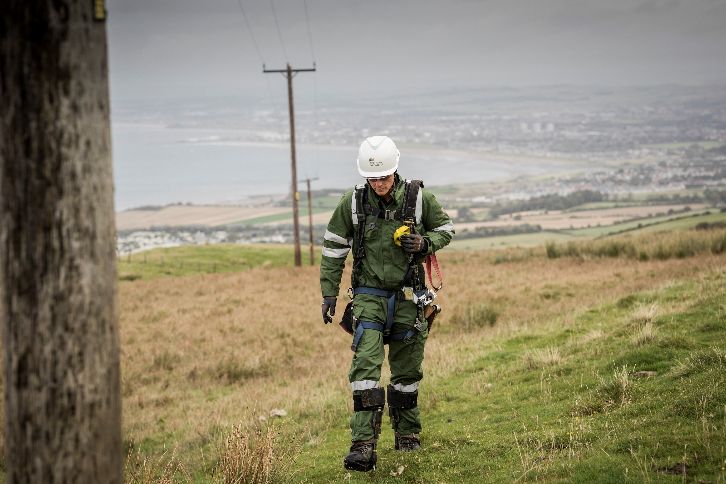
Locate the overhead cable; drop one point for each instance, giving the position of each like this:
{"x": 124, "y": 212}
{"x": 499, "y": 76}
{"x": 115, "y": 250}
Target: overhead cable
{"x": 249, "y": 29}
{"x": 279, "y": 33}
{"x": 310, "y": 35}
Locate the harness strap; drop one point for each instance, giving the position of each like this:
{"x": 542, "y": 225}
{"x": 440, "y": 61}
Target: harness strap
{"x": 363, "y": 325}
{"x": 390, "y": 295}
{"x": 359, "y": 331}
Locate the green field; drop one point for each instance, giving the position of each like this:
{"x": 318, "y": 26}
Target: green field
{"x": 631, "y": 391}
{"x": 195, "y": 259}
{"x": 503, "y": 241}
{"x": 279, "y": 217}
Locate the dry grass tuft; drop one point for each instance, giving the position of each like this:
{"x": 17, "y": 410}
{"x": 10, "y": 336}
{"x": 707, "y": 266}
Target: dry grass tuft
{"x": 591, "y": 336}
{"x": 162, "y": 469}
{"x": 644, "y": 314}
{"x": 250, "y": 461}
{"x": 645, "y": 334}
{"x": 700, "y": 361}
{"x": 541, "y": 357}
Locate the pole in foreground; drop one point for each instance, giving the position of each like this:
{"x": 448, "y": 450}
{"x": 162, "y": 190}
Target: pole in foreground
{"x": 289, "y": 73}
{"x": 57, "y": 239}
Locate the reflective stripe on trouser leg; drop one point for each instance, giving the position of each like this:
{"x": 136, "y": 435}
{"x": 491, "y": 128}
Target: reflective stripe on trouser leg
{"x": 365, "y": 372}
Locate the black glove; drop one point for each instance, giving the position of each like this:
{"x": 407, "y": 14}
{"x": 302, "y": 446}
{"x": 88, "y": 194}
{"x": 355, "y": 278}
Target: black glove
{"x": 414, "y": 243}
{"x": 329, "y": 303}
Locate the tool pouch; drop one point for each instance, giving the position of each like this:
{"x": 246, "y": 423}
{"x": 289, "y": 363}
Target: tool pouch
{"x": 430, "y": 313}
{"x": 347, "y": 322}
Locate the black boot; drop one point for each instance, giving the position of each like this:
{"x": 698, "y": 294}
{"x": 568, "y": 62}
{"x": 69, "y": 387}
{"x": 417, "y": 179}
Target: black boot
{"x": 362, "y": 456}
{"x": 407, "y": 443}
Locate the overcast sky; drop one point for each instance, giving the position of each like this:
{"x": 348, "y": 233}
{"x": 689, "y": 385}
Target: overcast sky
{"x": 193, "y": 48}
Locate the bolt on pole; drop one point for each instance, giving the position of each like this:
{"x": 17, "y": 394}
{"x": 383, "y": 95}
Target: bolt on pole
{"x": 289, "y": 73}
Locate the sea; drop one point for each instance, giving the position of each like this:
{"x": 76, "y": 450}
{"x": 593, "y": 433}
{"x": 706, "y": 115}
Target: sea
{"x": 157, "y": 165}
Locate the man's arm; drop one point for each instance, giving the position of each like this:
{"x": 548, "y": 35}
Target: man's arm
{"x": 438, "y": 227}
{"x": 337, "y": 242}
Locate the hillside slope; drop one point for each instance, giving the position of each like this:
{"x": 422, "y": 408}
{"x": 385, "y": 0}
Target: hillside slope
{"x": 629, "y": 391}
{"x": 530, "y": 371}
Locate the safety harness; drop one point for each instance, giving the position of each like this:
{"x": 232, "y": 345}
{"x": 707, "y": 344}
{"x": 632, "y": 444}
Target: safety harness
{"x": 407, "y": 214}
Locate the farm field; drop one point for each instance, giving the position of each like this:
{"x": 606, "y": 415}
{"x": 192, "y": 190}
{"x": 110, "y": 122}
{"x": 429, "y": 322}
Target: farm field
{"x": 654, "y": 224}
{"x": 560, "y": 220}
{"x": 184, "y": 215}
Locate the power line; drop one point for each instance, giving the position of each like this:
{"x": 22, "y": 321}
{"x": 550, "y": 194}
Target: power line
{"x": 310, "y": 35}
{"x": 279, "y": 33}
{"x": 249, "y": 29}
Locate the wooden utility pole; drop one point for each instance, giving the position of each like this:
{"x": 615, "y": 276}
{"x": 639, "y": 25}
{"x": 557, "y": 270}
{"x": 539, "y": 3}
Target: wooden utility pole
{"x": 289, "y": 73}
{"x": 310, "y": 218}
{"x": 57, "y": 245}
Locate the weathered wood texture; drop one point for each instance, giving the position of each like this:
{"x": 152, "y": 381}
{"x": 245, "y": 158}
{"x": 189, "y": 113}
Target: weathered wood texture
{"x": 57, "y": 255}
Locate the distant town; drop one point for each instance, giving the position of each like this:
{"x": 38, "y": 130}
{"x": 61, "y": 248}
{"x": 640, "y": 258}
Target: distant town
{"x": 658, "y": 145}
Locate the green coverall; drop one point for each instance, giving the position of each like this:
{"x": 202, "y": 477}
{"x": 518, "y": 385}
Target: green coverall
{"x": 383, "y": 267}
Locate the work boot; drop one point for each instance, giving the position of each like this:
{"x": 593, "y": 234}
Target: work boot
{"x": 407, "y": 443}
{"x": 362, "y": 456}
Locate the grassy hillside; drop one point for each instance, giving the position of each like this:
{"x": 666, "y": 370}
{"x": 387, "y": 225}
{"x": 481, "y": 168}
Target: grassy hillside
{"x": 628, "y": 391}
{"x": 207, "y": 259}
{"x": 532, "y": 371}
{"x": 518, "y": 372}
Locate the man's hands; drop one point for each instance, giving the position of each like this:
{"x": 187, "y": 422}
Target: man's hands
{"x": 329, "y": 303}
{"x": 414, "y": 243}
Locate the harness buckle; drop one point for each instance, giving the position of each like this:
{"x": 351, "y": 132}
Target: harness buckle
{"x": 389, "y": 214}
{"x": 408, "y": 294}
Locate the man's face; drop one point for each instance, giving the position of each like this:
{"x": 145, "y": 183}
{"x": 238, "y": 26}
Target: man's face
{"x": 381, "y": 185}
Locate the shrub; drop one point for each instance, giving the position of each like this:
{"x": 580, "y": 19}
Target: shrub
{"x": 552, "y": 250}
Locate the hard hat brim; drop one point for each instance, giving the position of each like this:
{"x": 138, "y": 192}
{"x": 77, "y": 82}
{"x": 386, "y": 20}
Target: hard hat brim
{"x": 377, "y": 174}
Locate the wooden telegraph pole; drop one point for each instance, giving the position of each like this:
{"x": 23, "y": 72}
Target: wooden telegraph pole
{"x": 57, "y": 240}
{"x": 310, "y": 218}
{"x": 289, "y": 73}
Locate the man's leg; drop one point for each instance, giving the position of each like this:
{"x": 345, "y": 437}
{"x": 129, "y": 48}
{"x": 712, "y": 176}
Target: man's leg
{"x": 368, "y": 401}
{"x": 406, "y": 358}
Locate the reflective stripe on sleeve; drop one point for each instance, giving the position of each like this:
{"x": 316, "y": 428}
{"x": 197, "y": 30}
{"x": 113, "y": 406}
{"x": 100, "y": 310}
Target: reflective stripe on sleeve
{"x": 336, "y": 238}
{"x": 419, "y": 205}
{"x": 363, "y": 385}
{"x": 336, "y": 253}
{"x": 406, "y": 388}
{"x": 448, "y": 227}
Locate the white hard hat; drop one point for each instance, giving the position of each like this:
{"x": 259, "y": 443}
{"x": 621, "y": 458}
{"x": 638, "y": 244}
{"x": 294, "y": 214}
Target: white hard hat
{"x": 377, "y": 157}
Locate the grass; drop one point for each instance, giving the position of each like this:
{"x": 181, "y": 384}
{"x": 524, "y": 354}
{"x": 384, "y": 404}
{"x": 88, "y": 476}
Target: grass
{"x": 529, "y": 373}
{"x": 205, "y": 259}
{"x": 503, "y": 241}
{"x": 574, "y": 411}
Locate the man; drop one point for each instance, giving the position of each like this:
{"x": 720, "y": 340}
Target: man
{"x": 389, "y": 292}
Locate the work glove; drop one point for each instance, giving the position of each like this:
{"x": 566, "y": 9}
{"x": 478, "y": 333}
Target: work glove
{"x": 414, "y": 243}
{"x": 329, "y": 303}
